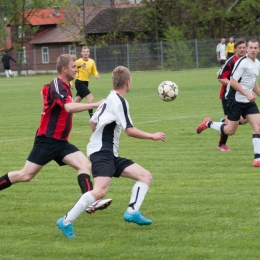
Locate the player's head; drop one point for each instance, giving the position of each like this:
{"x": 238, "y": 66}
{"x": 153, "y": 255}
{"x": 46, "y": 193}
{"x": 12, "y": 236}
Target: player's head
{"x": 121, "y": 77}
{"x": 240, "y": 47}
{"x": 85, "y": 52}
{"x": 66, "y": 65}
{"x": 231, "y": 39}
{"x": 223, "y": 40}
{"x": 252, "y": 48}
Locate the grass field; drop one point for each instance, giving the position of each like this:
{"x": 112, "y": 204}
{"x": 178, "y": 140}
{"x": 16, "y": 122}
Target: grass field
{"x": 205, "y": 204}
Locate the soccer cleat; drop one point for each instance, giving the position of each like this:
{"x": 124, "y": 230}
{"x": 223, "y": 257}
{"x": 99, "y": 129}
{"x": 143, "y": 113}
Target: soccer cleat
{"x": 203, "y": 125}
{"x": 256, "y": 163}
{"x": 137, "y": 218}
{"x": 223, "y": 148}
{"x": 98, "y": 205}
{"x": 223, "y": 120}
{"x": 67, "y": 230}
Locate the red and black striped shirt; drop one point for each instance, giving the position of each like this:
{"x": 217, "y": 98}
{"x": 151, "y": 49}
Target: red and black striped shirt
{"x": 226, "y": 73}
{"x": 56, "y": 122}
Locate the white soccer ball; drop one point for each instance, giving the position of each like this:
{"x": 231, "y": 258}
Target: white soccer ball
{"x": 168, "y": 91}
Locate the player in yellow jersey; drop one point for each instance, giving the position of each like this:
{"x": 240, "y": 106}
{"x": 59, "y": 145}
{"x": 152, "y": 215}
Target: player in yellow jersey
{"x": 230, "y": 50}
{"x": 85, "y": 67}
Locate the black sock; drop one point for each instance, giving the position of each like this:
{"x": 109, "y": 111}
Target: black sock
{"x": 85, "y": 183}
{"x": 90, "y": 112}
{"x": 4, "y": 182}
{"x": 223, "y": 139}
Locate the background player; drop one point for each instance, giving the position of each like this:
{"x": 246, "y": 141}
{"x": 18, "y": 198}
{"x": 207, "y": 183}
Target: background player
{"x": 224, "y": 78}
{"x": 111, "y": 117}
{"x": 85, "y": 67}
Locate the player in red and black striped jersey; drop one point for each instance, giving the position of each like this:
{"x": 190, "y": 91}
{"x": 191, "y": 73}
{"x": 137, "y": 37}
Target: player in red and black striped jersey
{"x": 51, "y": 141}
{"x": 224, "y": 78}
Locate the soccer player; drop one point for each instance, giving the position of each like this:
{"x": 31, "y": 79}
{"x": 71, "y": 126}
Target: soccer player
{"x": 241, "y": 99}
{"x": 85, "y": 67}
{"x": 6, "y": 62}
{"x": 224, "y": 78}
{"x": 230, "y": 50}
{"x": 51, "y": 141}
{"x": 107, "y": 122}
{"x": 221, "y": 53}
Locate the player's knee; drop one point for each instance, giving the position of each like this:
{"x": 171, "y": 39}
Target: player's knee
{"x": 146, "y": 178}
{"x": 25, "y": 176}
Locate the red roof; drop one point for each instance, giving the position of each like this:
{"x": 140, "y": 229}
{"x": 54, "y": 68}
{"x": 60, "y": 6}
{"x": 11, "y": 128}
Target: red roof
{"x": 46, "y": 16}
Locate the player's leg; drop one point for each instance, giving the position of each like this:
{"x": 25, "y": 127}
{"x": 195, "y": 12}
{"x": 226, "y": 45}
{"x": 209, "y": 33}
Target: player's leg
{"x": 6, "y": 73}
{"x": 24, "y": 175}
{"x": 143, "y": 180}
{"x": 223, "y": 137}
{"x": 76, "y": 159}
{"x": 78, "y": 87}
{"x": 90, "y": 99}
{"x": 10, "y": 72}
{"x": 65, "y": 224}
{"x": 254, "y": 121}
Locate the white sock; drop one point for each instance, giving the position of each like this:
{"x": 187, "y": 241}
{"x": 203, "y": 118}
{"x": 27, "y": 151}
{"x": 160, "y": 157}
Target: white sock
{"x": 7, "y": 74}
{"x": 216, "y": 125}
{"x": 84, "y": 201}
{"x": 256, "y": 144}
{"x": 10, "y": 72}
{"x": 139, "y": 191}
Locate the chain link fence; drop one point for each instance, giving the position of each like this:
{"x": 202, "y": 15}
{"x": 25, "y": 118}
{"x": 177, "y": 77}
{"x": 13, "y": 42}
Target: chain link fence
{"x": 175, "y": 55}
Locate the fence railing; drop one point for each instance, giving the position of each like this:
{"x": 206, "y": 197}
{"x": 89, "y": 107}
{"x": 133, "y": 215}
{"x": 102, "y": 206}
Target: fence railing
{"x": 175, "y": 55}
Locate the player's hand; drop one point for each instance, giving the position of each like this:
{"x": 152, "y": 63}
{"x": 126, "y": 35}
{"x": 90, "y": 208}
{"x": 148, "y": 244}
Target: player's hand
{"x": 97, "y": 77}
{"x": 159, "y": 136}
{"x": 99, "y": 102}
{"x": 251, "y": 97}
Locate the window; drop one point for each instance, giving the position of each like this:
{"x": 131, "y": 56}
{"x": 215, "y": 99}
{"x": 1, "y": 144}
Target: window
{"x": 22, "y": 55}
{"x": 20, "y": 32}
{"x": 72, "y": 49}
{"x": 45, "y": 55}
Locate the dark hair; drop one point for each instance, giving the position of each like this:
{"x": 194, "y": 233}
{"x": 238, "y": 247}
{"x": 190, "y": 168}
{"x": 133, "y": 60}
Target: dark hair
{"x": 239, "y": 41}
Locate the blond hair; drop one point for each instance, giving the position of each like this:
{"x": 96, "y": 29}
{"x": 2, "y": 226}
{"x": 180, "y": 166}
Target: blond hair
{"x": 84, "y": 47}
{"x": 63, "y": 61}
{"x": 120, "y": 76}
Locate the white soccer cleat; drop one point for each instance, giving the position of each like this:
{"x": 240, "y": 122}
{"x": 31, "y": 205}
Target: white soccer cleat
{"x": 98, "y": 205}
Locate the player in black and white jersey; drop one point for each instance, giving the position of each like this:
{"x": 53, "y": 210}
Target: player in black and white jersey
{"x": 107, "y": 122}
{"x": 241, "y": 99}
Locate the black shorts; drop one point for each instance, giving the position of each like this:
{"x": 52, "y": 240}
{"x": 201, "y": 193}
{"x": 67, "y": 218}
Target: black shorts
{"x": 7, "y": 67}
{"x": 46, "y": 149}
{"x": 105, "y": 164}
{"x": 224, "y": 105}
{"x": 237, "y": 109}
{"x": 82, "y": 88}
{"x": 230, "y": 54}
{"x": 222, "y": 62}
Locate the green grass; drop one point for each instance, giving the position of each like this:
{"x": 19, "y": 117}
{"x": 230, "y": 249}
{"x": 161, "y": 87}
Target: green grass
{"x": 204, "y": 203}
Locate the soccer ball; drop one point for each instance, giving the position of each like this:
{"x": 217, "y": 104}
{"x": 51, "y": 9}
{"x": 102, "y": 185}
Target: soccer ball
{"x": 168, "y": 91}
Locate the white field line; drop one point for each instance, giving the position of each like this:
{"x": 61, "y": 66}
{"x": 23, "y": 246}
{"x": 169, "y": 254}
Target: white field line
{"x": 140, "y": 123}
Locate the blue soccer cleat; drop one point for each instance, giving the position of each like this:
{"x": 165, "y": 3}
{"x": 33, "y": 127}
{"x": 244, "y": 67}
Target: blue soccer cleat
{"x": 67, "y": 230}
{"x": 137, "y": 218}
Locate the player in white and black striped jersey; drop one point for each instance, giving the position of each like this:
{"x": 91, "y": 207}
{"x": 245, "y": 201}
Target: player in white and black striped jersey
{"x": 107, "y": 122}
{"x": 241, "y": 99}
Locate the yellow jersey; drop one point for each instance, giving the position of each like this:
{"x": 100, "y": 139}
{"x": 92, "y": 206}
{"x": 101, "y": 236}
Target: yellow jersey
{"x": 85, "y": 68}
{"x": 230, "y": 47}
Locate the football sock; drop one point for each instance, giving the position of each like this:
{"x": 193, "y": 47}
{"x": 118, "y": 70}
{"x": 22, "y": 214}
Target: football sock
{"x": 7, "y": 74}
{"x": 90, "y": 112}
{"x": 84, "y": 201}
{"x": 256, "y": 145}
{"x": 5, "y": 182}
{"x": 215, "y": 125}
{"x": 139, "y": 191}
{"x": 85, "y": 183}
{"x": 223, "y": 139}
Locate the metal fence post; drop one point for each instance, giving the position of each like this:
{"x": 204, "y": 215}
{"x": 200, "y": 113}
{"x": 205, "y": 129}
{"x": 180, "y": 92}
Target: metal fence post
{"x": 95, "y": 54}
{"x": 127, "y": 56}
{"x": 197, "y": 54}
{"x": 34, "y": 60}
{"x": 161, "y": 44}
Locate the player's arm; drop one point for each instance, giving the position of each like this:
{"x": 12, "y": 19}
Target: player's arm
{"x": 224, "y": 81}
{"x": 79, "y": 107}
{"x": 256, "y": 89}
{"x": 94, "y": 71}
{"x": 136, "y": 133}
